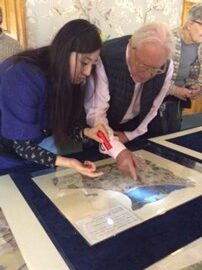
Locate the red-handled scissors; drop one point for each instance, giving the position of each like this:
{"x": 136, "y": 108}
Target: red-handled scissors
{"x": 106, "y": 143}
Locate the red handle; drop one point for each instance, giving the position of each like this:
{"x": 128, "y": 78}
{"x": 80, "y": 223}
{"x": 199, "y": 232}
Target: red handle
{"x": 106, "y": 143}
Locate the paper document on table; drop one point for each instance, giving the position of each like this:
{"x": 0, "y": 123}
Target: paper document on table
{"x": 107, "y": 223}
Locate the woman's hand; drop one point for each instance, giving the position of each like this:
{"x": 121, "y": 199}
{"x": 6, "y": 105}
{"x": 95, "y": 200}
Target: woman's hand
{"x": 92, "y": 132}
{"x": 86, "y": 168}
{"x": 182, "y": 93}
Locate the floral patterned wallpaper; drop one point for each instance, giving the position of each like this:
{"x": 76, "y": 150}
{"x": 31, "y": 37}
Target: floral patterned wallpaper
{"x": 113, "y": 17}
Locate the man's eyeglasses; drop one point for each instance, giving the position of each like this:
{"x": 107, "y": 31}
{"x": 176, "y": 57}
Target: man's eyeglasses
{"x": 142, "y": 67}
{"x": 199, "y": 23}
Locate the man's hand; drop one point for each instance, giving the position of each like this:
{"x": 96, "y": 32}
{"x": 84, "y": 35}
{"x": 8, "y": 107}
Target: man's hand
{"x": 126, "y": 163}
{"x": 122, "y": 137}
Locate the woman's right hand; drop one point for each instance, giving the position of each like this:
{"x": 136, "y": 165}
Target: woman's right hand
{"x": 86, "y": 168}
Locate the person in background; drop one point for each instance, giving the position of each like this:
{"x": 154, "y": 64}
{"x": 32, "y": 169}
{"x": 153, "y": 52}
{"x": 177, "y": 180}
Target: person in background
{"x": 41, "y": 94}
{"x": 187, "y": 77}
{"x": 8, "y": 45}
{"x": 129, "y": 86}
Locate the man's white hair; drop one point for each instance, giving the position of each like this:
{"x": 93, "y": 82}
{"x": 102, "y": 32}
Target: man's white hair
{"x": 155, "y": 32}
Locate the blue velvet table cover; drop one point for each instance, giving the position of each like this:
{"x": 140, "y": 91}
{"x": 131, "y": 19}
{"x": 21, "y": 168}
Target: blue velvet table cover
{"x": 135, "y": 248}
{"x": 192, "y": 141}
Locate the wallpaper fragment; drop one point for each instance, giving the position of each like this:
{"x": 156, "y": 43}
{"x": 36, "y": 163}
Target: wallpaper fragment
{"x": 113, "y": 17}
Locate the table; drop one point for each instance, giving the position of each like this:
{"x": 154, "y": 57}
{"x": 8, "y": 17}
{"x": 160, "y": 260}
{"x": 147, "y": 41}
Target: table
{"x": 136, "y": 248}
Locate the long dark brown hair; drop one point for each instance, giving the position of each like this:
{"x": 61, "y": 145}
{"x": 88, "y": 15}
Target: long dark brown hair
{"x": 64, "y": 101}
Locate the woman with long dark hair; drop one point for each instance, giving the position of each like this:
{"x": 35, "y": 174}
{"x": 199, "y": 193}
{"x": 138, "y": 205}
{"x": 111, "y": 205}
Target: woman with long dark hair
{"x": 42, "y": 92}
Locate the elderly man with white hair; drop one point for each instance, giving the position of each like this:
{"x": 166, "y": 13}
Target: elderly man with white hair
{"x": 128, "y": 87}
{"x": 187, "y": 77}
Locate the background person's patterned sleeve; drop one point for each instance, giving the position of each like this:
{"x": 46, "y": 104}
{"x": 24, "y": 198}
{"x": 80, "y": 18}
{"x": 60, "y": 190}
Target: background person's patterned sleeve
{"x": 78, "y": 135}
{"x": 31, "y": 151}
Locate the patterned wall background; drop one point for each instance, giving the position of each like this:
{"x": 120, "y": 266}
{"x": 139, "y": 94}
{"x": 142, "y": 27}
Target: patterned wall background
{"x": 114, "y": 17}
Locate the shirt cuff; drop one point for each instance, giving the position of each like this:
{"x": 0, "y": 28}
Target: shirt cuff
{"x": 116, "y": 149}
{"x": 131, "y": 135}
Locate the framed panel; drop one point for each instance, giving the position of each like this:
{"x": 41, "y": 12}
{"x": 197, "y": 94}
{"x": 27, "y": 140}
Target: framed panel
{"x": 187, "y": 142}
{"x": 96, "y": 207}
{"x": 189, "y": 257}
{"x": 186, "y": 6}
{"x": 5, "y": 16}
{"x": 10, "y": 255}
{"x": 14, "y": 17}
{"x": 34, "y": 245}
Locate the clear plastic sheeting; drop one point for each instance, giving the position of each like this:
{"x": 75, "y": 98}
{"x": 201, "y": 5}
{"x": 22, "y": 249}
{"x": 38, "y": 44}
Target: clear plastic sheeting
{"x": 96, "y": 207}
